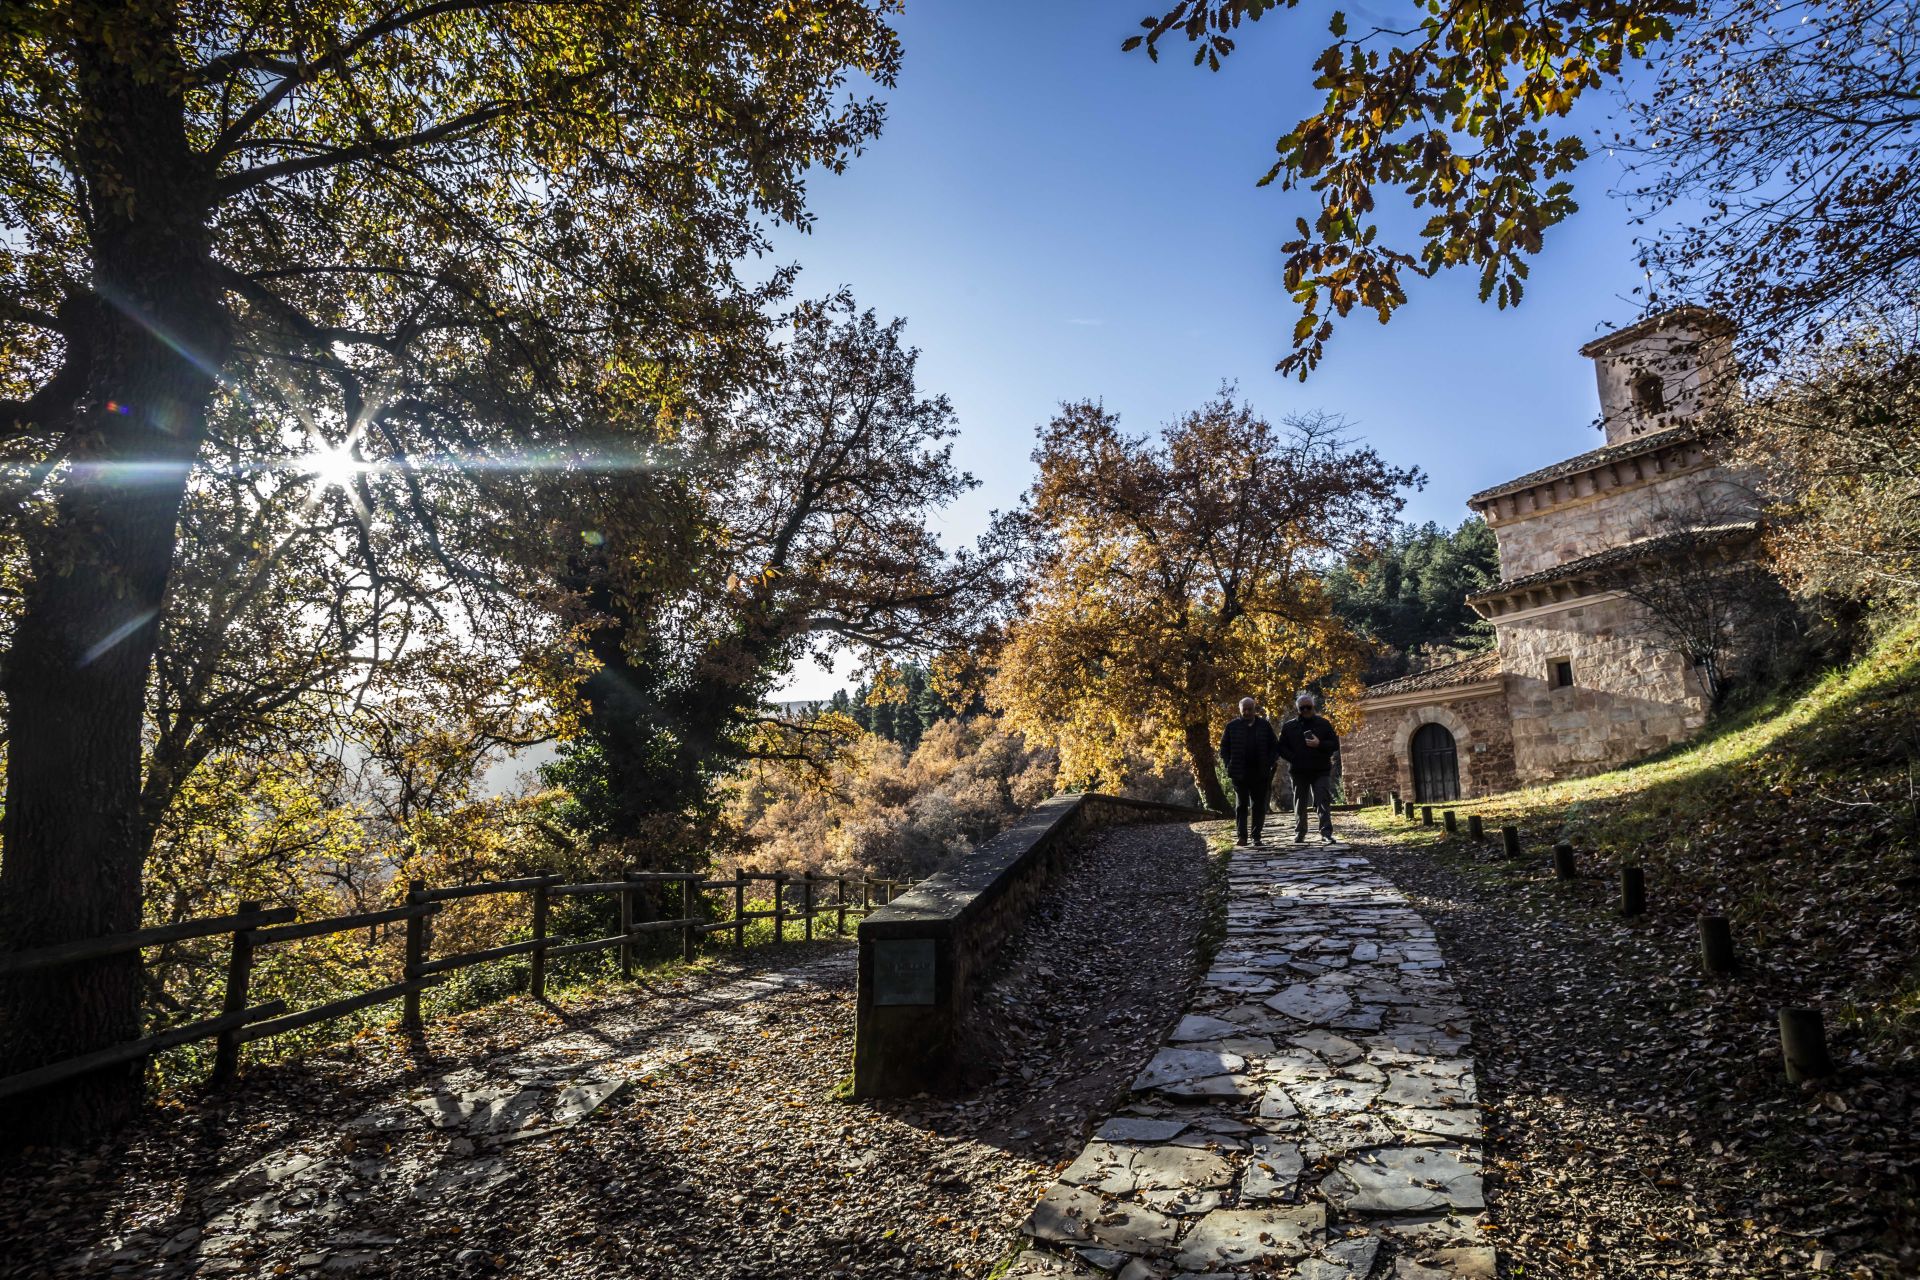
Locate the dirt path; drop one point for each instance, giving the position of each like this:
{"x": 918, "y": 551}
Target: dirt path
{"x": 687, "y": 1130}
{"x": 1638, "y": 1120}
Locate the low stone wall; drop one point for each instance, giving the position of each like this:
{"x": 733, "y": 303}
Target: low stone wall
{"x": 925, "y": 954}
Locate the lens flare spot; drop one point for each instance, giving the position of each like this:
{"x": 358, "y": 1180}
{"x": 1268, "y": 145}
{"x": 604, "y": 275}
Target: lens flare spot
{"x": 335, "y": 468}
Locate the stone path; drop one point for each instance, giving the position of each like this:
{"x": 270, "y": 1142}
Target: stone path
{"x": 446, "y": 1144}
{"x": 1314, "y": 1113}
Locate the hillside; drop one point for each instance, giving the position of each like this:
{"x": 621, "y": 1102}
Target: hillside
{"x": 1639, "y": 1120}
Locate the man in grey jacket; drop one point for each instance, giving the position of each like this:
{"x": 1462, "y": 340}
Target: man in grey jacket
{"x": 1308, "y": 744}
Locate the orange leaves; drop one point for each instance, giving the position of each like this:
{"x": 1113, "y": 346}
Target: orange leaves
{"x": 1483, "y": 73}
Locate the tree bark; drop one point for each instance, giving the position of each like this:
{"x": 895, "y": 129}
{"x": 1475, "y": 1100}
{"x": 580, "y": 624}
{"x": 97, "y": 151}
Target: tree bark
{"x": 76, "y": 676}
{"x": 1206, "y": 770}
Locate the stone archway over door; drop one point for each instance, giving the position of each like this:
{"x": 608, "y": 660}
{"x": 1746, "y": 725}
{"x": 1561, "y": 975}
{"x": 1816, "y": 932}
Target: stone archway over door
{"x": 1436, "y": 764}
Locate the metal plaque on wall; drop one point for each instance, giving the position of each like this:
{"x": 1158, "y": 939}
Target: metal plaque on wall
{"x": 903, "y": 971}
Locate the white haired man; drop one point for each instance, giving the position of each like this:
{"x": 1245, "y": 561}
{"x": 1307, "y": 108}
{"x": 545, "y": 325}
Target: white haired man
{"x": 1308, "y": 744}
{"x": 1249, "y": 751}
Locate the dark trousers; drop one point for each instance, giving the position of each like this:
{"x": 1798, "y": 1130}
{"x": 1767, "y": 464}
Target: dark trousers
{"x": 1313, "y": 790}
{"x": 1251, "y": 794}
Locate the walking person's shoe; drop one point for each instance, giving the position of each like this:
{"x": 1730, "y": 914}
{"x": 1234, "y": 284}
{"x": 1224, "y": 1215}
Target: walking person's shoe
{"x": 1240, "y": 841}
{"x": 1299, "y": 837}
{"x": 1258, "y": 843}
{"x": 1326, "y": 837}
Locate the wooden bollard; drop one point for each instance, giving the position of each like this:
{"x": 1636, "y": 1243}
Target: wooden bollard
{"x": 1476, "y": 830}
{"x": 1803, "y": 1045}
{"x": 1397, "y": 809}
{"x": 1413, "y": 813}
{"x": 1510, "y": 841}
{"x": 1564, "y": 867}
{"x": 1452, "y": 821}
{"x": 1426, "y": 815}
{"x": 1716, "y": 945}
{"x": 1633, "y": 891}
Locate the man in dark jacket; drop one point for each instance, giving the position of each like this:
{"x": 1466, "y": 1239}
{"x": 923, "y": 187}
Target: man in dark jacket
{"x": 1307, "y": 744}
{"x": 1249, "y": 751}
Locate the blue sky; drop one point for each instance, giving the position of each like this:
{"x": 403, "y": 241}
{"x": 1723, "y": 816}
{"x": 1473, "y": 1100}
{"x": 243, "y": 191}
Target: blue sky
{"x": 1059, "y": 220}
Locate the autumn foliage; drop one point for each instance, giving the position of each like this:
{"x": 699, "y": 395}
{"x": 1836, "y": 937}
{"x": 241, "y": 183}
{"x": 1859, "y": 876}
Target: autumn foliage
{"x": 1179, "y": 573}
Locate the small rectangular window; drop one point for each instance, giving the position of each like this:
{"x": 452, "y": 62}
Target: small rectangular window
{"x": 1561, "y": 673}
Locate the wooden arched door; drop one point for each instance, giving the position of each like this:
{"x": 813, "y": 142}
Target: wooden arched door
{"x": 1436, "y": 765}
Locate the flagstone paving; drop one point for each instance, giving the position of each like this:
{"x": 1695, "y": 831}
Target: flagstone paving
{"x": 1314, "y": 1114}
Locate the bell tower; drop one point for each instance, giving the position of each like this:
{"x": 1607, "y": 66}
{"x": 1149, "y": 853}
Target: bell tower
{"x": 1661, "y": 372}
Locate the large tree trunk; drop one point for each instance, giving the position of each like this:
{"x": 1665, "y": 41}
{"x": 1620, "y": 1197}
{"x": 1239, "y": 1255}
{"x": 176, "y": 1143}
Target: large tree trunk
{"x": 77, "y": 673}
{"x": 1206, "y": 770}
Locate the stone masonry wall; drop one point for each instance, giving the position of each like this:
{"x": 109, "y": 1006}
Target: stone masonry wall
{"x": 1377, "y": 759}
{"x": 1628, "y": 698}
{"x": 1531, "y": 543}
{"x": 1694, "y": 368}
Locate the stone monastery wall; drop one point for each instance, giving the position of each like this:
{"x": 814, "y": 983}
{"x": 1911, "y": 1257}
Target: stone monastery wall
{"x": 1532, "y": 542}
{"x": 1628, "y": 697}
{"x": 1376, "y": 758}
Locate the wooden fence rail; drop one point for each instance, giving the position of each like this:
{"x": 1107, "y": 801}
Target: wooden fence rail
{"x": 253, "y": 926}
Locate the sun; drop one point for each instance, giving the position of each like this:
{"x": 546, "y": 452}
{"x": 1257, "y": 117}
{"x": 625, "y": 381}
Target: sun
{"x": 335, "y": 468}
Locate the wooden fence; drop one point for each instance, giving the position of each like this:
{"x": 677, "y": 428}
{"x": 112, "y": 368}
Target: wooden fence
{"x": 254, "y": 926}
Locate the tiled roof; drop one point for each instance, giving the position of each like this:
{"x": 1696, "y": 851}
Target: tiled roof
{"x": 1710, "y": 321}
{"x": 1600, "y": 457}
{"x": 1626, "y": 553}
{"x": 1481, "y": 666}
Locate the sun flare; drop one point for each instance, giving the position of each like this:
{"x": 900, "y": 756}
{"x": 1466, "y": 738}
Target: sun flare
{"x": 335, "y": 468}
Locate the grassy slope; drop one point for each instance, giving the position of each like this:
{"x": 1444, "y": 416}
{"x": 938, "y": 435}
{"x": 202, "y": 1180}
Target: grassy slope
{"x": 1798, "y": 819}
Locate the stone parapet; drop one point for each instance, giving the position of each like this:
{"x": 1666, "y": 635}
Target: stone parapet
{"x": 924, "y": 955}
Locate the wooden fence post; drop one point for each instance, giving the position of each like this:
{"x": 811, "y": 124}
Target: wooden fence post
{"x": 1510, "y": 841}
{"x": 1396, "y": 804}
{"x": 626, "y": 924}
{"x": 806, "y": 901}
{"x": 1716, "y": 945}
{"x": 1452, "y": 821}
{"x": 740, "y": 908}
{"x": 1803, "y": 1045}
{"x": 688, "y": 889}
{"x": 539, "y": 984}
{"x": 1426, "y": 815}
{"x": 1633, "y": 891}
{"x": 226, "y": 1050}
{"x": 779, "y": 906}
{"x": 416, "y": 954}
{"x": 1476, "y": 829}
{"x": 840, "y": 893}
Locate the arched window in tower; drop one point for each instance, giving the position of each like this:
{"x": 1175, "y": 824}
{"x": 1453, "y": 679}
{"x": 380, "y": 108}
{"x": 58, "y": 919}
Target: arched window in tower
{"x": 1649, "y": 394}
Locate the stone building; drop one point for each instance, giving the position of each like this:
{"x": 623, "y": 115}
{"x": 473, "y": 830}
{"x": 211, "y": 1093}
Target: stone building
{"x": 1578, "y": 681}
